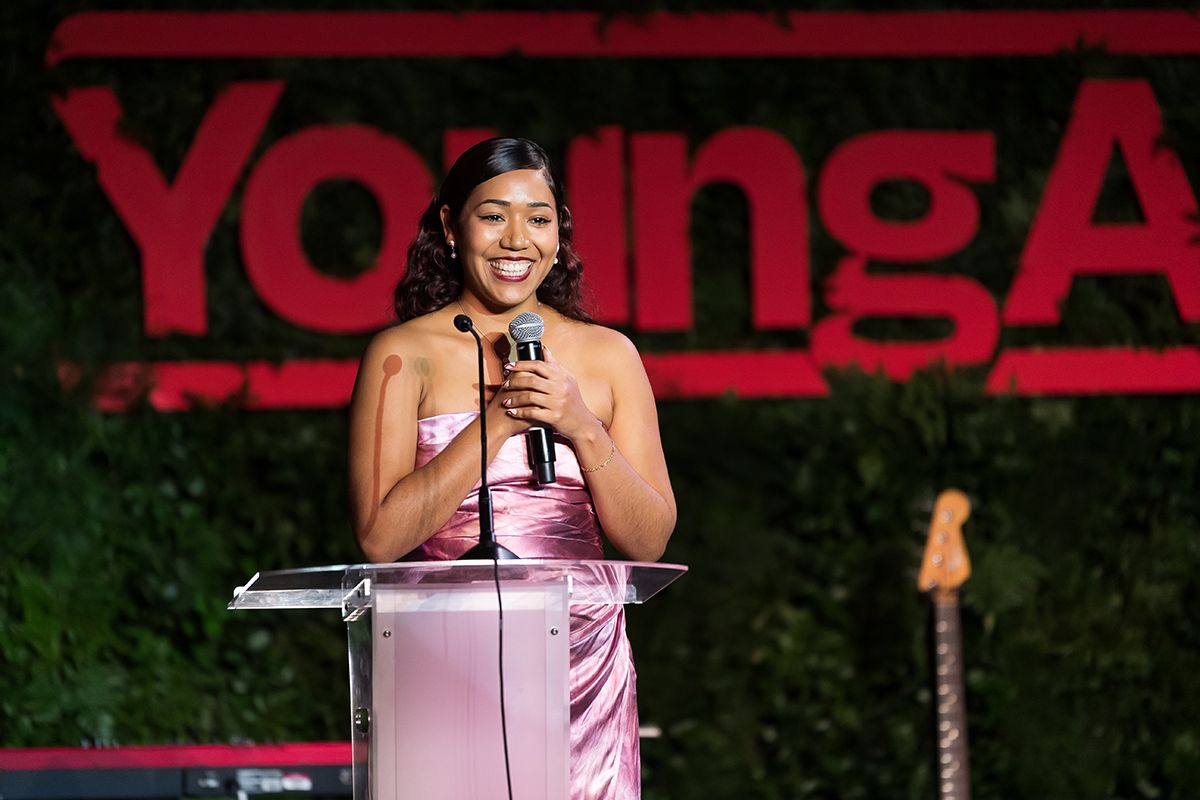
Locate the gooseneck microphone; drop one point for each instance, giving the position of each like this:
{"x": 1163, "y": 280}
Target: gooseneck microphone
{"x": 488, "y": 547}
{"x": 526, "y": 330}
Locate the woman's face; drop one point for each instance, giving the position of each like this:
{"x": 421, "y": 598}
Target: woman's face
{"x": 507, "y": 239}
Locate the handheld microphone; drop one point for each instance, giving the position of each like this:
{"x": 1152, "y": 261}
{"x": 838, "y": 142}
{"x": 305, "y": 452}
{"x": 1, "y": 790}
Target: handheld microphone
{"x": 526, "y": 330}
{"x": 488, "y": 547}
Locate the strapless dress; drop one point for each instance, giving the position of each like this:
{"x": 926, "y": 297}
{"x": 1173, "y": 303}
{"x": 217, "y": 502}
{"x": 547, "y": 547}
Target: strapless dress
{"x": 556, "y": 521}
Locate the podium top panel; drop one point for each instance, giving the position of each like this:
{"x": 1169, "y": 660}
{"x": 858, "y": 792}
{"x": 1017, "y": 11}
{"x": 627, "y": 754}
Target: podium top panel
{"x": 589, "y": 582}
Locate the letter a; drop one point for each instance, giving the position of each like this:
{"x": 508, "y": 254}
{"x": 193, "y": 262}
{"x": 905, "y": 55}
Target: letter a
{"x": 1065, "y": 242}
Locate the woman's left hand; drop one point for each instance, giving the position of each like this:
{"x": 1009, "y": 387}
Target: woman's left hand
{"x": 544, "y": 391}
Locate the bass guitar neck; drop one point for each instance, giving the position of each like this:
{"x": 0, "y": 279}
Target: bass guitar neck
{"x": 944, "y": 569}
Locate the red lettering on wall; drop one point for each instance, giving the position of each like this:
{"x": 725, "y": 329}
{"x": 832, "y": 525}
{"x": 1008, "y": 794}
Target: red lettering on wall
{"x": 596, "y": 186}
{"x": 765, "y": 167}
{"x": 171, "y": 220}
{"x": 942, "y": 163}
{"x": 275, "y": 260}
{"x": 170, "y": 223}
{"x": 1064, "y": 241}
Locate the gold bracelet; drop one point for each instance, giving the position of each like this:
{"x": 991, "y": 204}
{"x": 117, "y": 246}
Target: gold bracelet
{"x": 604, "y": 463}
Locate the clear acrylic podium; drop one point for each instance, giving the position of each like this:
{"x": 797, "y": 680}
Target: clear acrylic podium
{"x": 424, "y": 669}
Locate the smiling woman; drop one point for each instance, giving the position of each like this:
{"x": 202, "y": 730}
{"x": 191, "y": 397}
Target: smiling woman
{"x": 433, "y": 278}
{"x": 496, "y": 242}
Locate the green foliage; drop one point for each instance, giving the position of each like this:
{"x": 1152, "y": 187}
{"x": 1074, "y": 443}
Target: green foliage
{"x": 123, "y": 538}
{"x": 801, "y": 636}
{"x": 791, "y": 662}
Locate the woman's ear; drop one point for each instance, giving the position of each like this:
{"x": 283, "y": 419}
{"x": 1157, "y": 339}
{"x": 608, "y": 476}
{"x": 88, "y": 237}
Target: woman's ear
{"x": 447, "y": 231}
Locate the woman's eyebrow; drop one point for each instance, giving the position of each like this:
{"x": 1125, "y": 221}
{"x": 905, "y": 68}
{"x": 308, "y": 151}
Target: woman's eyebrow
{"x": 506, "y": 204}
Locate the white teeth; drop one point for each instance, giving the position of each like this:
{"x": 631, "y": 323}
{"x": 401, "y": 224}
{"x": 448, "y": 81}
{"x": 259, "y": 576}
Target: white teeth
{"x": 511, "y": 269}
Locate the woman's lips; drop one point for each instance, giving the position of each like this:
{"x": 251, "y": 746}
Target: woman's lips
{"x": 511, "y": 270}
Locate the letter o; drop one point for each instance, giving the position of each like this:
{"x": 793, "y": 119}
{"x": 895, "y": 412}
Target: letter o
{"x": 275, "y": 260}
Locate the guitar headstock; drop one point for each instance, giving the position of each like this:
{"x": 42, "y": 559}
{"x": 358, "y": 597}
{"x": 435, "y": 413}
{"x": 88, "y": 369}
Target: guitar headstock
{"x": 945, "y": 565}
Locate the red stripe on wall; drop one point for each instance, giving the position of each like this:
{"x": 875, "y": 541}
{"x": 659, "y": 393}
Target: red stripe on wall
{"x": 173, "y": 34}
{"x": 182, "y": 385}
{"x": 1096, "y": 370}
{"x": 156, "y": 756}
{"x": 779, "y": 373}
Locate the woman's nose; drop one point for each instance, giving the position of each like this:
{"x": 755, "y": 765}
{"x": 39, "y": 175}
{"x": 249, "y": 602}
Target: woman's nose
{"x": 514, "y": 236}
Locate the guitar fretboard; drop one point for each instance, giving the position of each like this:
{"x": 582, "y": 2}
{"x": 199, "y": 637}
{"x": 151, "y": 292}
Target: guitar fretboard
{"x": 952, "y": 761}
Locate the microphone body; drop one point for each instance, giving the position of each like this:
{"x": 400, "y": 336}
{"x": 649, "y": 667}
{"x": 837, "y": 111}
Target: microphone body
{"x": 539, "y": 439}
{"x": 526, "y": 330}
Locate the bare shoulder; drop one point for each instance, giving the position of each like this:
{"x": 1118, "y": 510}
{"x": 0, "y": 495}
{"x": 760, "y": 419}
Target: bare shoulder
{"x": 600, "y": 343}
{"x": 616, "y": 347}
{"x": 407, "y": 338}
{"x": 404, "y": 352}
{"x": 387, "y": 351}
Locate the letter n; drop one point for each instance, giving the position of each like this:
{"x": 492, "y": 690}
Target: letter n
{"x": 766, "y": 168}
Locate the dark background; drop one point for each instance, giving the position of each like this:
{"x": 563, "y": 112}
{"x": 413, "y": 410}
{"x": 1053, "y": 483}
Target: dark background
{"x": 791, "y": 662}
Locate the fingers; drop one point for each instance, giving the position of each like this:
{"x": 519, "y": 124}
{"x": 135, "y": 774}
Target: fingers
{"x": 531, "y": 414}
{"x": 543, "y": 392}
{"x": 539, "y": 368}
{"x": 528, "y": 381}
{"x": 515, "y": 398}
{"x": 532, "y": 406}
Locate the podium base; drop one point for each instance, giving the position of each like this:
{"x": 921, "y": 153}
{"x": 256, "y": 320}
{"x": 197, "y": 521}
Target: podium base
{"x": 489, "y": 551}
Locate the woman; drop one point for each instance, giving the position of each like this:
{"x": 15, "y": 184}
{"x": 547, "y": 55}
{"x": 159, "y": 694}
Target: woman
{"x": 495, "y": 242}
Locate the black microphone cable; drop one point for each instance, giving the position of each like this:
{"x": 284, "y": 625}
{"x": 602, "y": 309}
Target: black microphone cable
{"x": 503, "y": 716}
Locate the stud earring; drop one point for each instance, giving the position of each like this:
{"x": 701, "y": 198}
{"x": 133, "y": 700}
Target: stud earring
{"x": 555, "y": 260}
{"x": 453, "y": 252}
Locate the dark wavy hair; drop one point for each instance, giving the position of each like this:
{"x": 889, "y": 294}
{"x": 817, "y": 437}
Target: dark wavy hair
{"x": 433, "y": 280}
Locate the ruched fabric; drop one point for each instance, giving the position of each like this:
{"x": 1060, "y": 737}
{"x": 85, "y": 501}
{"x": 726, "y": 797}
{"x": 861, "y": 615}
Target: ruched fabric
{"x": 556, "y": 521}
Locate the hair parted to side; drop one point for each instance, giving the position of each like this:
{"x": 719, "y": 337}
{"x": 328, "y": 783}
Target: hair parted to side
{"x": 433, "y": 280}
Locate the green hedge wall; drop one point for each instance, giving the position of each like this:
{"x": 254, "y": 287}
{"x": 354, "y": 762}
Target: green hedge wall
{"x": 791, "y": 662}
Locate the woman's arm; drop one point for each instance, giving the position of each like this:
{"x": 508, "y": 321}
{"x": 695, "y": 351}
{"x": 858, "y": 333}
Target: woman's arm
{"x": 624, "y": 465}
{"x": 395, "y": 507}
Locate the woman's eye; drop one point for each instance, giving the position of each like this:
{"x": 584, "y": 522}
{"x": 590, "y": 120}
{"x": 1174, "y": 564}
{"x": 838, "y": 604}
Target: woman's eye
{"x": 540, "y": 221}
{"x": 492, "y": 218}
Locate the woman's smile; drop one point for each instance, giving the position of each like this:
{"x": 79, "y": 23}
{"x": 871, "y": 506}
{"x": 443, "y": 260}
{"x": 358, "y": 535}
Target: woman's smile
{"x": 513, "y": 270}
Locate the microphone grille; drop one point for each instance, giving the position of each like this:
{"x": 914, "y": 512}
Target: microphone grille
{"x": 526, "y": 327}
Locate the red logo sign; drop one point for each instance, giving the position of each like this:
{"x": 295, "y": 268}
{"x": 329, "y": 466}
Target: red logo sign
{"x": 650, "y": 287}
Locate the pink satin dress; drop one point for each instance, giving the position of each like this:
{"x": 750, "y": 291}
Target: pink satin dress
{"x": 556, "y": 521}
